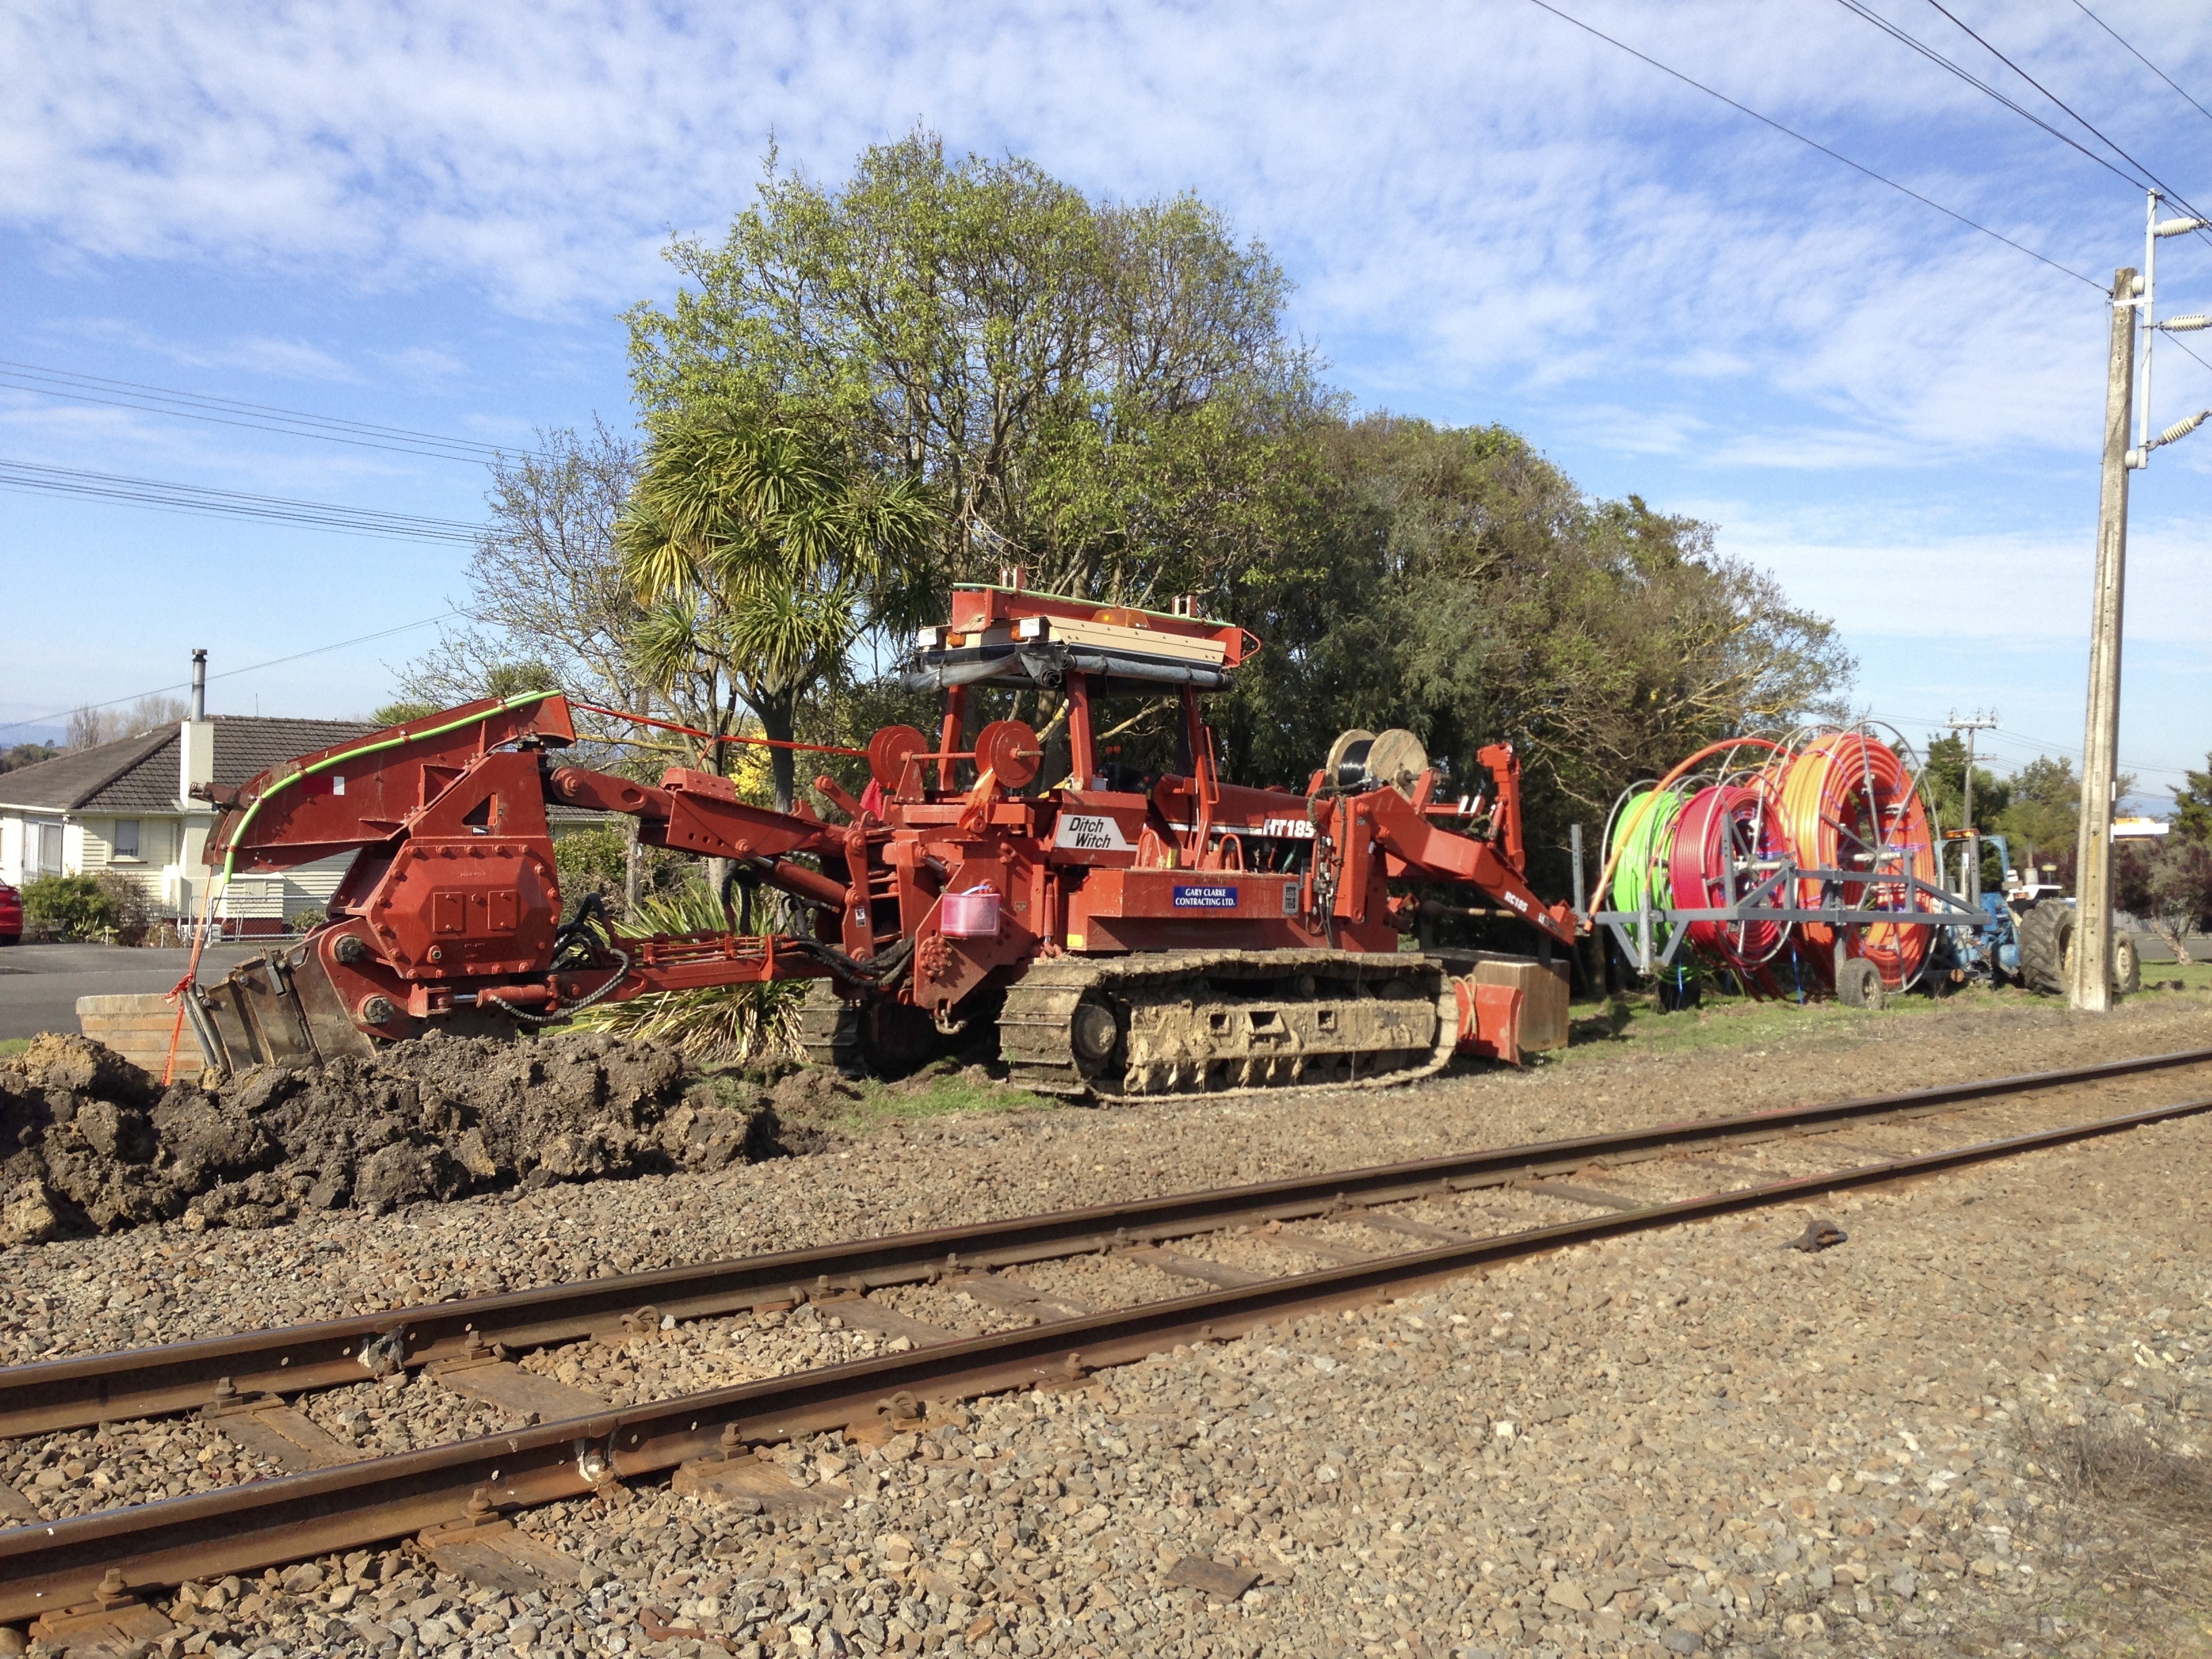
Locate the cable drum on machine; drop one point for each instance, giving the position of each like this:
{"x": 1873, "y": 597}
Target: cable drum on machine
{"x": 1637, "y": 841}
{"x": 1726, "y": 837}
{"x": 1360, "y": 760}
{"x": 1848, "y": 802}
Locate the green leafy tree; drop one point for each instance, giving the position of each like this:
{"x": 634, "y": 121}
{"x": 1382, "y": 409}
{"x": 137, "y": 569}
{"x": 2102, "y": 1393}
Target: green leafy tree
{"x": 2168, "y": 882}
{"x": 2192, "y": 806}
{"x": 1455, "y": 582}
{"x": 2043, "y": 814}
{"x": 25, "y": 754}
{"x": 1945, "y": 780}
{"x": 1101, "y": 392}
{"x": 760, "y": 555}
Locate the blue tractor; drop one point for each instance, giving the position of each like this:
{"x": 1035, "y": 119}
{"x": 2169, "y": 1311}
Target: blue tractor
{"x": 2028, "y": 938}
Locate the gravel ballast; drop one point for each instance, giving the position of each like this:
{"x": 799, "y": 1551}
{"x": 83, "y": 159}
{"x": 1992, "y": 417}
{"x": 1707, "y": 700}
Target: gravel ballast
{"x": 1692, "y": 1441}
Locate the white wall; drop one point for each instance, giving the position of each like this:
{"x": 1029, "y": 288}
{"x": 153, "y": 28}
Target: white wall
{"x": 264, "y": 894}
{"x": 156, "y": 836}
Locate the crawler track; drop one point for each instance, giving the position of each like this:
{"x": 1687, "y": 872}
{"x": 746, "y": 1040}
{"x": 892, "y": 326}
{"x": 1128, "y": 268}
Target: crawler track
{"x": 1384, "y": 1042}
{"x": 51, "y": 1565}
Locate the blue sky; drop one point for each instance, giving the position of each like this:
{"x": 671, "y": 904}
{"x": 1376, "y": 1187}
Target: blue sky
{"x": 428, "y": 216}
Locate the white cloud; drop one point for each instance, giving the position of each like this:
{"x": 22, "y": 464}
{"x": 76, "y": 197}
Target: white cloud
{"x": 1483, "y": 205}
{"x": 1886, "y": 570}
{"x": 1489, "y": 190}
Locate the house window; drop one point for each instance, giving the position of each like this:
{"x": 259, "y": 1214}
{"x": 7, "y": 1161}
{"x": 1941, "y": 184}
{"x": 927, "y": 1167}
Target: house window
{"x": 126, "y": 838}
{"x": 47, "y": 859}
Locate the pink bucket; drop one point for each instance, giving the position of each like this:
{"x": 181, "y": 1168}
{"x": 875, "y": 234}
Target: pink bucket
{"x": 971, "y": 915}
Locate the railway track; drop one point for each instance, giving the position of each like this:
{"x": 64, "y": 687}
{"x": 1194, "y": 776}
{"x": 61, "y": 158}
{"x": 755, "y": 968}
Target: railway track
{"x": 87, "y": 1567}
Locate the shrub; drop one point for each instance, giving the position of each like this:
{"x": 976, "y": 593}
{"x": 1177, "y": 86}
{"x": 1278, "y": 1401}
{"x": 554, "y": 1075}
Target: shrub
{"x": 307, "y": 920}
{"x": 130, "y": 907}
{"x": 591, "y": 861}
{"x": 68, "y": 906}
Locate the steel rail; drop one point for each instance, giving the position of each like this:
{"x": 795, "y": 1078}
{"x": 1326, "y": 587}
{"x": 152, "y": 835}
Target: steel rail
{"x": 52, "y": 1396}
{"x": 53, "y": 1566}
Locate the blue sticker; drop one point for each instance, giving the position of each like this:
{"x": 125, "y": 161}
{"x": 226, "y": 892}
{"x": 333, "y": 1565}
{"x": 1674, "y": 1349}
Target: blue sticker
{"x": 1205, "y": 898}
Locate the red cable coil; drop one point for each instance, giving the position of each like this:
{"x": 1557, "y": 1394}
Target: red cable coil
{"x": 1722, "y": 826}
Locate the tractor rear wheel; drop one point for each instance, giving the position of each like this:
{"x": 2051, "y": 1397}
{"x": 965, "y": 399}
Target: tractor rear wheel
{"x": 2046, "y": 947}
{"x": 2127, "y": 964}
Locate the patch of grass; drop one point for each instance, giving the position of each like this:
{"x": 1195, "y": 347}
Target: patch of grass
{"x": 2193, "y": 975}
{"x": 938, "y": 1090}
{"x": 1731, "y": 1022}
{"x": 12, "y": 1046}
{"x": 2126, "y": 1466}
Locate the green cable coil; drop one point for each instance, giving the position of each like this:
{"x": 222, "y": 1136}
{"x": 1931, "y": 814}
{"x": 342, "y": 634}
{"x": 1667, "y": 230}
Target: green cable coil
{"x": 1646, "y": 837}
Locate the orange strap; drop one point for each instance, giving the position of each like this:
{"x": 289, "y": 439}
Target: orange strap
{"x": 184, "y": 986}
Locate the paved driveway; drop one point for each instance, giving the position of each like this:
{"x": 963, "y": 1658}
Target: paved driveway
{"x": 40, "y": 984}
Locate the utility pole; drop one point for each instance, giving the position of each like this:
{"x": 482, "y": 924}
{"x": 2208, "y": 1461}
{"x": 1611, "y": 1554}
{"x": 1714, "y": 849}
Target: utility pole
{"x": 2092, "y": 987}
{"x": 1976, "y": 723}
{"x": 2133, "y": 301}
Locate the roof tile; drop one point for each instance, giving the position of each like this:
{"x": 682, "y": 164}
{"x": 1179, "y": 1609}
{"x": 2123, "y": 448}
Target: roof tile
{"x": 139, "y": 774}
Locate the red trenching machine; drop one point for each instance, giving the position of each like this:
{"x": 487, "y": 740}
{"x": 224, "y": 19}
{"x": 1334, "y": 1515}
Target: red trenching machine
{"x": 1126, "y": 936}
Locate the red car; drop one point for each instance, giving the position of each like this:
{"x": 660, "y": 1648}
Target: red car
{"x": 11, "y": 914}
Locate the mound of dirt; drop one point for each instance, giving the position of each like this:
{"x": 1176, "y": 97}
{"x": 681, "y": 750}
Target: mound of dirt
{"x": 90, "y": 1143}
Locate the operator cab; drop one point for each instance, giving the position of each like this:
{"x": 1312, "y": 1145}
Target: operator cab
{"x": 1075, "y": 656}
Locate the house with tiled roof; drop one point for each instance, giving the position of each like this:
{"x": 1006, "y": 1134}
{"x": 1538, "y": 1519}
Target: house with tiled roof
{"x": 126, "y": 807}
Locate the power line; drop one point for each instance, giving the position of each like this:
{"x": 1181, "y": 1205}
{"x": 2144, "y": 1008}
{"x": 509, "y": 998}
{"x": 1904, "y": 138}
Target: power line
{"x": 2086, "y": 124}
{"x": 1791, "y": 132}
{"x": 235, "y": 412}
{"x": 229, "y": 673}
{"x": 1858, "y": 9}
{"x": 2172, "y": 194}
{"x": 2140, "y": 59}
{"x": 2040, "y": 746}
{"x": 165, "y": 497}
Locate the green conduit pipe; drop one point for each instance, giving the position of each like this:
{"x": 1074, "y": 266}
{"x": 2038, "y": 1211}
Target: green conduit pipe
{"x": 230, "y": 854}
{"x": 1642, "y": 872}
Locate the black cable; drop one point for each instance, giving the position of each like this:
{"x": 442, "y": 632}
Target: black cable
{"x": 1815, "y": 143}
{"x": 880, "y": 973}
{"x": 2166, "y": 189}
{"x": 2178, "y": 346}
{"x": 577, "y": 931}
{"x": 163, "y": 495}
{"x": 1858, "y": 9}
{"x": 237, "y": 412}
{"x": 2140, "y": 59}
{"x": 250, "y": 668}
{"x": 2171, "y": 193}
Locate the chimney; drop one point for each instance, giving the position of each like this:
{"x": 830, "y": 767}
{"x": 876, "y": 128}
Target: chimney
{"x": 195, "y": 739}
